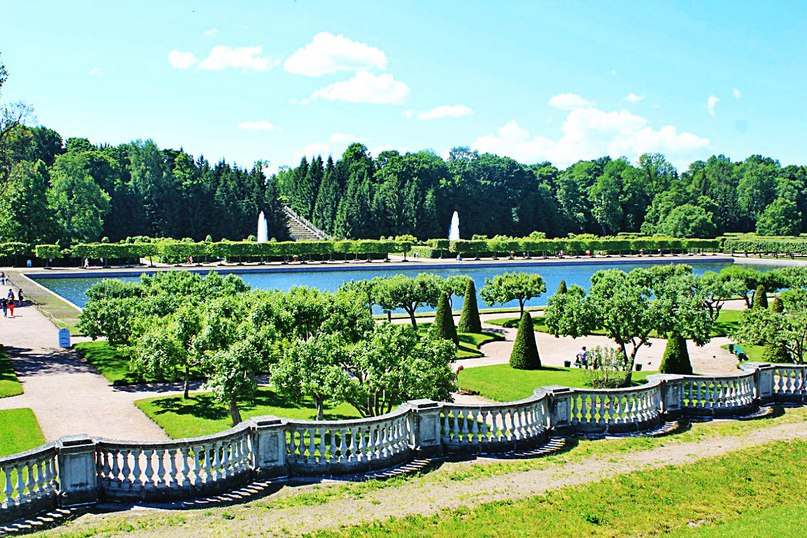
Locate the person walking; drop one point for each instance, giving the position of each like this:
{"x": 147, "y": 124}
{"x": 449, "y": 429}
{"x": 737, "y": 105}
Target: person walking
{"x": 2, "y": 278}
{"x": 582, "y": 359}
{"x": 3, "y": 304}
{"x": 11, "y": 307}
{"x": 20, "y": 297}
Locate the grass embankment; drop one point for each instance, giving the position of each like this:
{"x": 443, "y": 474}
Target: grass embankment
{"x": 733, "y": 490}
{"x": 9, "y": 384}
{"x": 57, "y": 310}
{"x": 202, "y": 415}
{"x": 505, "y": 384}
{"x": 19, "y": 431}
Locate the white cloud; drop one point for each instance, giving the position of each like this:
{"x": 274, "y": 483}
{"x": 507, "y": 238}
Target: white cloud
{"x": 312, "y": 150}
{"x": 569, "y": 101}
{"x": 365, "y": 87}
{"x": 245, "y": 58}
{"x": 736, "y": 93}
{"x": 258, "y": 125}
{"x": 633, "y": 97}
{"x": 328, "y": 54}
{"x": 588, "y": 133}
{"x": 211, "y": 32}
{"x": 445, "y": 111}
{"x": 95, "y": 71}
{"x": 711, "y": 102}
{"x": 182, "y": 60}
{"x": 344, "y": 138}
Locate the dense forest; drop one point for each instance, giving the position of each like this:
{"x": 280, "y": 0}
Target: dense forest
{"x": 359, "y": 196}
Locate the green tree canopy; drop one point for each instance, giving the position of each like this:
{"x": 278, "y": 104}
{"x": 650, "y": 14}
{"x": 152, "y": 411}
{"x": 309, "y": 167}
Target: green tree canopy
{"x": 508, "y": 287}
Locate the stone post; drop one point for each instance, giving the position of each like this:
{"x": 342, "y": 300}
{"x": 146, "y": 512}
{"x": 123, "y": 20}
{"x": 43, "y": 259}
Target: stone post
{"x": 78, "y": 479}
{"x": 672, "y": 394}
{"x": 424, "y": 423}
{"x": 763, "y": 380}
{"x": 269, "y": 446}
{"x": 560, "y": 411}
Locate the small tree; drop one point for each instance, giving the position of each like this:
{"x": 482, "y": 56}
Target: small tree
{"x": 400, "y": 291}
{"x": 469, "y": 318}
{"x": 788, "y": 328}
{"x": 676, "y": 356}
{"x": 761, "y": 297}
{"x": 525, "y": 351}
{"x": 443, "y": 326}
{"x": 508, "y": 287}
{"x": 454, "y": 285}
{"x": 562, "y": 288}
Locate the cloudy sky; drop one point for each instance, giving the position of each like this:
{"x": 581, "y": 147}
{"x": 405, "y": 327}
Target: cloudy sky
{"x": 557, "y": 81}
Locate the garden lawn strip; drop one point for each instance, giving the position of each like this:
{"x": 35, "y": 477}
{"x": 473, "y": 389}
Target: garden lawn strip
{"x": 19, "y": 431}
{"x": 9, "y": 384}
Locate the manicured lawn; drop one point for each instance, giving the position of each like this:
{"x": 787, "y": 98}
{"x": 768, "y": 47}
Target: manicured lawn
{"x": 504, "y": 384}
{"x": 737, "y": 490}
{"x": 9, "y": 385}
{"x": 108, "y": 361}
{"x": 469, "y": 342}
{"x": 202, "y": 415}
{"x": 727, "y": 322}
{"x": 19, "y": 431}
{"x": 754, "y": 353}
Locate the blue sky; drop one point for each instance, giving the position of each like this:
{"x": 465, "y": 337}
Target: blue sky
{"x": 558, "y": 81}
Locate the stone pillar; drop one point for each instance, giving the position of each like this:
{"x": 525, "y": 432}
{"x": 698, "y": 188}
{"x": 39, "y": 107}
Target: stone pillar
{"x": 560, "y": 412}
{"x": 672, "y": 394}
{"x": 269, "y": 446}
{"x": 424, "y": 423}
{"x": 78, "y": 478}
{"x": 763, "y": 380}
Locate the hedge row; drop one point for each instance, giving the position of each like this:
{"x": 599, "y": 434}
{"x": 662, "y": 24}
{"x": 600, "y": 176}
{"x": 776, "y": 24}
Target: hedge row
{"x": 753, "y": 244}
{"x": 577, "y": 246}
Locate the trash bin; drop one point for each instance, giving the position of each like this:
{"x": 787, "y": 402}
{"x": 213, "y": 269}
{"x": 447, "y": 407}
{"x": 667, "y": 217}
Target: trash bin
{"x": 638, "y": 367}
{"x": 567, "y": 364}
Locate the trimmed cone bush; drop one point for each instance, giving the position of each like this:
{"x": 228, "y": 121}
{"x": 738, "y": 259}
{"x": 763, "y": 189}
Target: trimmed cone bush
{"x": 777, "y": 305}
{"x": 775, "y": 353}
{"x": 469, "y": 318}
{"x": 676, "y": 356}
{"x": 525, "y": 350}
{"x": 761, "y": 297}
{"x": 561, "y": 288}
{"x": 443, "y": 326}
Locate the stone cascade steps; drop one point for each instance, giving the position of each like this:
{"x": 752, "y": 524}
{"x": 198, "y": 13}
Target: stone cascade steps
{"x": 301, "y": 229}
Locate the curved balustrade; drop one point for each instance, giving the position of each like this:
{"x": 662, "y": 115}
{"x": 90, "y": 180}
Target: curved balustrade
{"x": 331, "y": 447}
{"x": 790, "y": 382}
{"x": 29, "y": 481}
{"x": 615, "y": 410}
{"x": 725, "y": 395}
{"x": 158, "y": 470}
{"x": 492, "y": 427}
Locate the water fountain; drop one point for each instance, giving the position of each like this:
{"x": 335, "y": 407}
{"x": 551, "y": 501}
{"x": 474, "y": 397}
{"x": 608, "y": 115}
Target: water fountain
{"x": 263, "y": 228}
{"x": 454, "y": 231}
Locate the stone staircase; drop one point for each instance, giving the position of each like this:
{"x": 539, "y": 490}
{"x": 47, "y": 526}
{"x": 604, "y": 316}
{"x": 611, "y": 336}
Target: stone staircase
{"x": 301, "y": 229}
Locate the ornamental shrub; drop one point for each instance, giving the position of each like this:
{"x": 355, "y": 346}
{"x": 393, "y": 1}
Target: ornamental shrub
{"x": 561, "y": 288}
{"x": 676, "y": 356}
{"x": 761, "y": 297}
{"x": 443, "y": 326}
{"x": 777, "y": 305}
{"x": 525, "y": 350}
{"x": 469, "y": 318}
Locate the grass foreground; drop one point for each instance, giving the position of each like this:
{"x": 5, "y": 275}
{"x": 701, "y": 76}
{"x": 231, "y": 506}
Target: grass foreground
{"x": 19, "y": 431}
{"x": 503, "y": 383}
{"x": 9, "y": 384}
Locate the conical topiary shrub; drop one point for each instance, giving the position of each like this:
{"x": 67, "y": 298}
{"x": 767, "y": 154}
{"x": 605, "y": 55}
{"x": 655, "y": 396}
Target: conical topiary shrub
{"x": 469, "y": 318}
{"x": 761, "y": 297}
{"x": 561, "y": 288}
{"x": 676, "y": 356}
{"x": 525, "y": 350}
{"x": 775, "y": 353}
{"x": 443, "y": 326}
{"x": 777, "y": 305}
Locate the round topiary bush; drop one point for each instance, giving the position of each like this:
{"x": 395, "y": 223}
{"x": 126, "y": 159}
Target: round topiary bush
{"x": 777, "y": 305}
{"x": 443, "y": 326}
{"x": 676, "y": 356}
{"x": 525, "y": 351}
{"x": 469, "y": 318}
{"x": 761, "y": 297}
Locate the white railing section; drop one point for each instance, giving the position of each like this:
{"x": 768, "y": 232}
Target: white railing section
{"x": 348, "y": 442}
{"x": 28, "y": 477}
{"x": 140, "y": 469}
{"x": 604, "y": 407}
{"x": 484, "y": 424}
{"x": 718, "y": 392}
{"x": 789, "y": 380}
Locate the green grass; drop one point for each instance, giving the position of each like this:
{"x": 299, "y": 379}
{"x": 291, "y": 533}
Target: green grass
{"x": 504, "y": 384}
{"x": 774, "y": 521}
{"x": 469, "y": 342}
{"x": 202, "y": 415}
{"x": 715, "y": 491}
{"x": 109, "y": 362}
{"x": 19, "y": 431}
{"x": 9, "y": 384}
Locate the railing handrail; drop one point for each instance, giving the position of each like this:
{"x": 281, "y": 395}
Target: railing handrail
{"x": 227, "y": 434}
{"x": 305, "y": 223}
{"x": 402, "y": 410}
{"x": 33, "y": 453}
{"x": 650, "y": 385}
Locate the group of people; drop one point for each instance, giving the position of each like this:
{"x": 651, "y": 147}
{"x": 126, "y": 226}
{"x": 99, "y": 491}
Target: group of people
{"x": 8, "y": 302}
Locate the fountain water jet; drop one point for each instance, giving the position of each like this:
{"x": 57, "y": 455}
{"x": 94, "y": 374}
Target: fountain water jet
{"x": 263, "y": 228}
{"x": 454, "y": 231}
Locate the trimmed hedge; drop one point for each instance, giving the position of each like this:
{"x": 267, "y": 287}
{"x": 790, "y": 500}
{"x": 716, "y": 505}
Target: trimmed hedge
{"x": 443, "y": 326}
{"x": 676, "y": 357}
{"x": 470, "y": 321}
{"x": 754, "y": 244}
{"x": 525, "y": 350}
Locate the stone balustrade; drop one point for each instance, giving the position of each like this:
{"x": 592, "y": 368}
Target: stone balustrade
{"x": 83, "y": 470}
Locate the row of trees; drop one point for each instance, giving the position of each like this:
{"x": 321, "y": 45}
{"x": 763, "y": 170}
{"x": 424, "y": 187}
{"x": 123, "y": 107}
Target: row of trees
{"x": 361, "y": 196}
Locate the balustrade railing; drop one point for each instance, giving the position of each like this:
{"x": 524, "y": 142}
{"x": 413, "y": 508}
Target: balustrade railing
{"x": 615, "y": 410}
{"x": 29, "y": 480}
{"x": 344, "y": 445}
{"x": 790, "y": 381}
{"x": 491, "y": 426}
{"x": 718, "y": 395}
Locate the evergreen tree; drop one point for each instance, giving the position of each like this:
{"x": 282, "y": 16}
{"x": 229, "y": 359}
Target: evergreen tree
{"x": 469, "y": 318}
{"x": 761, "y": 297}
{"x": 443, "y": 326}
{"x": 327, "y": 199}
{"x": 24, "y": 212}
{"x": 561, "y": 288}
{"x": 775, "y": 352}
{"x": 525, "y": 350}
{"x": 676, "y": 356}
